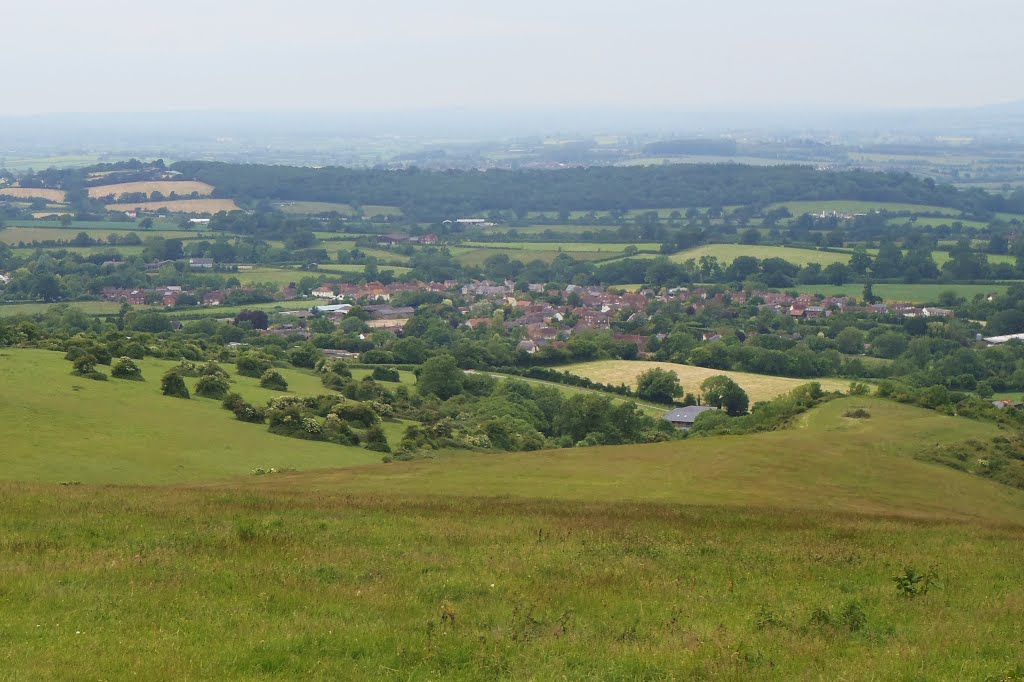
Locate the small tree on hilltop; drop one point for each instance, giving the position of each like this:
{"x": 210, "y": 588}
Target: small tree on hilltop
{"x": 273, "y": 380}
{"x": 125, "y": 368}
{"x": 659, "y": 385}
{"x": 724, "y": 393}
{"x": 173, "y": 385}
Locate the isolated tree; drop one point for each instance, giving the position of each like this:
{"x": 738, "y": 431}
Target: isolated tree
{"x": 125, "y": 368}
{"x": 659, "y": 385}
{"x": 440, "y": 376}
{"x": 273, "y": 380}
{"x": 724, "y": 393}
{"x": 173, "y": 385}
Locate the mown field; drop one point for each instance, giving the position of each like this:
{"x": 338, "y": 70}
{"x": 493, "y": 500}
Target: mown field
{"x": 798, "y": 208}
{"x": 55, "y": 195}
{"x": 759, "y": 557}
{"x": 905, "y": 293}
{"x": 757, "y": 386}
{"x": 165, "y": 187}
{"x": 13, "y": 235}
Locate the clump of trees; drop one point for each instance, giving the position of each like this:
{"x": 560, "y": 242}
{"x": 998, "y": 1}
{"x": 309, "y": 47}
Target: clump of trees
{"x": 213, "y": 386}
{"x": 273, "y": 380}
{"x": 659, "y": 386}
{"x": 172, "y": 384}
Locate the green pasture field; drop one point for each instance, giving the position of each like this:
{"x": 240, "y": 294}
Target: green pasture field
{"x": 798, "y": 208}
{"x": 84, "y": 250}
{"x": 562, "y": 229}
{"x": 13, "y": 235}
{"x": 757, "y": 557}
{"x": 904, "y": 293}
{"x": 89, "y": 225}
{"x": 567, "y": 247}
{"x": 90, "y": 307}
{"x": 757, "y": 386}
{"x": 726, "y": 253}
{"x": 315, "y": 207}
{"x": 40, "y": 162}
{"x": 477, "y": 256}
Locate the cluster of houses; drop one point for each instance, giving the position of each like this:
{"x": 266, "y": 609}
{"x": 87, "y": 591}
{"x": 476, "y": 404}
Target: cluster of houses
{"x": 397, "y": 238}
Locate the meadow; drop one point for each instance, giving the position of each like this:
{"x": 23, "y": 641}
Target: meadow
{"x": 756, "y": 557}
{"x": 567, "y": 247}
{"x": 727, "y": 253}
{"x": 13, "y": 235}
{"x": 905, "y": 293}
{"x": 757, "y": 386}
{"x": 798, "y": 208}
{"x": 115, "y": 431}
{"x": 315, "y": 207}
{"x": 90, "y": 307}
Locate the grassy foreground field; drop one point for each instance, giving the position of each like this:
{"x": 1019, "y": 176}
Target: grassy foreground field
{"x": 593, "y": 563}
{"x": 757, "y": 386}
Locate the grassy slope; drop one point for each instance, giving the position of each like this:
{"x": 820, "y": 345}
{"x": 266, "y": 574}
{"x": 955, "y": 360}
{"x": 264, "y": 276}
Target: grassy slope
{"x": 757, "y": 386}
{"x": 575, "y": 564}
{"x": 123, "y": 431}
{"x": 828, "y": 463}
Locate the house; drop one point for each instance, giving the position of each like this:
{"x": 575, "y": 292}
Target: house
{"x": 392, "y": 239}
{"x": 428, "y": 239}
{"x": 937, "y": 312}
{"x": 214, "y": 298}
{"x": 683, "y": 417}
{"x": 527, "y": 346}
{"x": 326, "y": 291}
{"x": 200, "y": 263}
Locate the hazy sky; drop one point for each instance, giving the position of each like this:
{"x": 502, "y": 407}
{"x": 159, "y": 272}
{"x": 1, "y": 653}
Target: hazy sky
{"x": 308, "y": 55}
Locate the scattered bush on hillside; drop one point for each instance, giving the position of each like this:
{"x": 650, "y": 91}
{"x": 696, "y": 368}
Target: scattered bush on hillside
{"x": 252, "y": 364}
{"x": 173, "y": 385}
{"x": 360, "y": 414}
{"x": 338, "y": 431}
{"x": 376, "y": 439}
{"x": 386, "y": 374}
{"x": 859, "y": 413}
{"x": 188, "y": 368}
{"x": 212, "y": 386}
{"x": 273, "y": 380}
{"x": 912, "y": 583}
{"x": 85, "y": 366}
{"x": 125, "y": 368}
{"x": 307, "y": 355}
{"x": 212, "y": 369}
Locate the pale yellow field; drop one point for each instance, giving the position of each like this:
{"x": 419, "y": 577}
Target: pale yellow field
{"x": 180, "y": 206}
{"x": 757, "y": 386}
{"x": 47, "y": 214}
{"x": 56, "y": 195}
{"x": 165, "y": 187}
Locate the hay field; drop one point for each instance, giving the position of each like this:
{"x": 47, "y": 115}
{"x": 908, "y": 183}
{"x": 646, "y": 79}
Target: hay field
{"x": 179, "y": 206}
{"x": 165, "y": 187}
{"x": 757, "y": 386}
{"x": 56, "y": 195}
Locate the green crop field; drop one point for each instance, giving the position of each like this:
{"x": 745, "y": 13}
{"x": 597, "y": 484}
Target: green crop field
{"x": 84, "y": 250}
{"x": 477, "y": 256}
{"x": 91, "y": 307}
{"x": 13, "y": 235}
{"x": 757, "y": 386}
{"x": 755, "y": 557}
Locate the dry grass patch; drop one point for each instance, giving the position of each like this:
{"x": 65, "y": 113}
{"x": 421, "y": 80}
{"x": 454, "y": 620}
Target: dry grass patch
{"x": 56, "y": 195}
{"x": 180, "y": 206}
{"x": 165, "y": 187}
{"x": 757, "y": 386}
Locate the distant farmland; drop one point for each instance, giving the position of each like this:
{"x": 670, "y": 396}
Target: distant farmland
{"x": 757, "y": 386}
{"x": 165, "y": 187}
{"x": 179, "y": 206}
{"x": 56, "y": 195}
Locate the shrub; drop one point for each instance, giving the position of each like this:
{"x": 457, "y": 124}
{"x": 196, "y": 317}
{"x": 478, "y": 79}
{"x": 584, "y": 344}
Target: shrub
{"x": 212, "y": 369}
{"x": 173, "y": 385}
{"x": 125, "y": 368}
{"x": 252, "y": 364}
{"x": 360, "y": 414}
{"x": 386, "y": 374}
{"x": 231, "y": 401}
{"x": 338, "y": 431}
{"x": 249, "y": 413}
{"x": 376, "y": 440}
{"x": 187, "y": 368}
{"x": 859, "y": 413}
{"x": 212, "y": 386}
{"x": 85, "y": 366}
{"x": 912, "y": 583}
{"x": 273, "y": 380}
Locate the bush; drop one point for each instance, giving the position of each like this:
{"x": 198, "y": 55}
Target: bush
{"x": 376, "y": 440}
{"x": 912, "y": 583}
{"x": 85, "y": 366}
{"x": 249, "y": 413}
{"x": 252, "y": 364}
{"x": 273, "y": 380}
{"x": 386, "y": 374}
{"x": 231, "y": 401}
{"x": 212, "y": 386}
{"x": 338, "y": 431}
{"x": 360, "y": 414}
{"x": 173, "y": 385}
{"x": 212, "y": 369}
{"x": 125, "y": 368}
{"x": 859, "y": 413}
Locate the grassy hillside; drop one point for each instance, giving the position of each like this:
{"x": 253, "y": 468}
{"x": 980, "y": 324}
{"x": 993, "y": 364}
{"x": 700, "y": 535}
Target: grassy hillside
{"x": 757, "y": 386}
{"x": 829, "y": 462}
{"x": 584, "y": 564}
{"x": 60, "y": 427}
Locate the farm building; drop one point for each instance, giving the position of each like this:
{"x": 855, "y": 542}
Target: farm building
{"x": 683, "y": 417}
